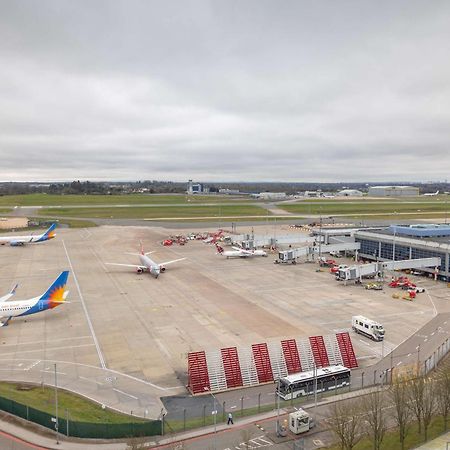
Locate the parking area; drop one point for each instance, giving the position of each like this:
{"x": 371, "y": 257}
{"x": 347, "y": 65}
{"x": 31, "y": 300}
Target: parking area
{"x": 124, "y": 337}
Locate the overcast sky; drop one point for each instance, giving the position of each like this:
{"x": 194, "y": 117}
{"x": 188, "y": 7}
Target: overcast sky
{"x": 225, "y": 90}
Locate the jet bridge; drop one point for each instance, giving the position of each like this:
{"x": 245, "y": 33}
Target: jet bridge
{"x": 358, "y": 272}
{"x": 291, "y": 255}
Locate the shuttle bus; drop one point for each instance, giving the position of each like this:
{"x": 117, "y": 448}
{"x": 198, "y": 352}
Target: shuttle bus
{"x": 301, "y": 384}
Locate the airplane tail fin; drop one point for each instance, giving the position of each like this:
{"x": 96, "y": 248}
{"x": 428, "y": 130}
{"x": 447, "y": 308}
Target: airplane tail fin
{"x": 57, "y": 291}
{"x": 49, "y": 234}
{"x": 141, "y": 248}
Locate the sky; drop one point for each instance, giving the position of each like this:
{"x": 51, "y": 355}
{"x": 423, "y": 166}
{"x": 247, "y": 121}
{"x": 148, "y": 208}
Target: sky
{"x": 248, "y": 90}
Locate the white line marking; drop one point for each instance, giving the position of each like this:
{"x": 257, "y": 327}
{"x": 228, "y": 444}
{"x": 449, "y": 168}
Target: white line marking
{"x": 94, "y": 337}
{"x": 431, "y": 300}
{"x": 124, "y": 393}
{"x": 47, "y": 349}
{"x": 52, "y": 371}
{"x": 399, "y": 363}
{"x": 43, "y": 342}
{"x": 92, "y": 381}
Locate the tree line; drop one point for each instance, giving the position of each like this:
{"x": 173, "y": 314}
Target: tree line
{"x": 407, "y": 401}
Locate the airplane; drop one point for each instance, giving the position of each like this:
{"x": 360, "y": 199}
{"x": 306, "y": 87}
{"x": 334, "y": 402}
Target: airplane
{"x": 54, "y": 296}
{"x": 431, "y": 194}
{"x": 147, "y": 264}
{"x": 15, "y": 241}
{"x": 239, "y": 252}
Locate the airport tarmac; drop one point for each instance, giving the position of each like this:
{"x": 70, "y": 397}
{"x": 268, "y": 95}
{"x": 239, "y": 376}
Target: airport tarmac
{"x": 124, "y": 337}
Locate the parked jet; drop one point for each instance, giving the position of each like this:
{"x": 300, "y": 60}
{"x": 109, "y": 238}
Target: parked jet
{"x": 147, "y": 264}
{"x": 54, "y": 296}
{"x": 431, "y": 194}
{"x": 239, "y": 252}
{"x": 15, "y": 241}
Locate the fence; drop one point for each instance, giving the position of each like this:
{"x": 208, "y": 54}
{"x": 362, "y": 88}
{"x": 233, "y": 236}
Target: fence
{"x": 81, "y": 429}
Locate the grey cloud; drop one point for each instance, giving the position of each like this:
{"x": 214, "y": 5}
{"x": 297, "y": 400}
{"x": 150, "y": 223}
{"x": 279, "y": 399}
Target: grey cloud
{"x": 258, "y": 90}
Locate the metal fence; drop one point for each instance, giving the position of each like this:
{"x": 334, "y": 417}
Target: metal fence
{"x": 81, "y": 429}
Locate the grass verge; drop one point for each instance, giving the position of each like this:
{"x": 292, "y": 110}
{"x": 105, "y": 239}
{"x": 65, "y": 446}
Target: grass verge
{"x": 126, "y": 199}
{"x": 80, "y": 409}
{"x": 174, "y": 212}
{"x": 369, "y": 207}
{"x": 391, "y": 440}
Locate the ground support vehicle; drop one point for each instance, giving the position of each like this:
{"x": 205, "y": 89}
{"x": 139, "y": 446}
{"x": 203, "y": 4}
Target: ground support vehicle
{"x": 368, "y": 327}
{"x": 300, "y": 421}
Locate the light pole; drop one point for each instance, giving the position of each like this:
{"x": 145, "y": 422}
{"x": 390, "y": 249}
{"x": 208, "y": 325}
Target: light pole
{"x": 278, "y": 406}
{"x": 315, "y": 388}
{"x": 56, "y": 408}
{"x": 214, "y": 412}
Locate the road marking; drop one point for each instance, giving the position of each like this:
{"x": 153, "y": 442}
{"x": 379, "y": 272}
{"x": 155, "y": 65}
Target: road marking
{"x": 91, "y": 328}
{"x": 431, "y": 300}
{"x": 409, "y": 354}
{"x": 43, "y": 342}
{"x": 47, "y": 349}
{"x": 88, "y": 379}
{"x": 48, "y": 370}
{"x": 124, "y": 393}
{"x": 31, "y": 365}
{"x": 399, "y": 363}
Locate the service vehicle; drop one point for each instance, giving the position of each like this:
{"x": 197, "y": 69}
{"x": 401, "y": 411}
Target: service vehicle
{"x": 303, "y": 383}
{"x": 368, "y": 327}
{"x": 300, "y": 421}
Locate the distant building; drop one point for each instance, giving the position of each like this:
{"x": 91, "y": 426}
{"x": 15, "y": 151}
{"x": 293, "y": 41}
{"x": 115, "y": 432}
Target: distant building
{"x": 196, "y": 188}
{"x": 272, "y": 195}
{"x": 229, "y": 191}
{"x": 317, "y": 193}
{"x": 350, "y": 193}
{"x": 393, "y": 191}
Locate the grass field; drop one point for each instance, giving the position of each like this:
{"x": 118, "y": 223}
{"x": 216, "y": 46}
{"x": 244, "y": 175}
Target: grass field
{"x": 126, "y": 199}
{"x": 184, "y": 211}
{"x": 363, "y": 207}
{"x": 5, "y": 210}
{"x": 80, "y": 409}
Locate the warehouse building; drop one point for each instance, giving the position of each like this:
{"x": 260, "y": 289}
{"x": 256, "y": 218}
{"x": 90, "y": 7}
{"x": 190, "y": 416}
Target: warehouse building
{"x": 350, "y": 193}
{"x": 399, "y": 242}
{"x": 393, "y": 191}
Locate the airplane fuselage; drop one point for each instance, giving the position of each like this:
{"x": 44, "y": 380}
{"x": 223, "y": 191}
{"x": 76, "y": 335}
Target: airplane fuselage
{"x": 148, "y": 265}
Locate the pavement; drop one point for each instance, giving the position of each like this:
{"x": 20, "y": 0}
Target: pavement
{"x": 440, "y": 443}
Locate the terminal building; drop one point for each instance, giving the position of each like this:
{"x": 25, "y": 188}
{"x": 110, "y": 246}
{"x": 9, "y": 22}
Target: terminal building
{"x": 393, "y": 191}
{"x": 196, "y": 188}
{"x": 400, "y": 242}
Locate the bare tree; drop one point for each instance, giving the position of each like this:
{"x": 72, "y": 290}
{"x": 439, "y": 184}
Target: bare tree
{"x": 415, "y": 390}
{"x": 398, "y": 393}
{"x": 442, "y": 391}
{"x": 375, "y": 418}
{"x": 429, "y": 405}
{"x": 346, "y": 422}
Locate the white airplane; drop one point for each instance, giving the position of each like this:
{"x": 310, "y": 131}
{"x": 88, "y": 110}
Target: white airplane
{"x": 15, "y": 241}
{"x": 54, "y": 296}
{"x": 239, "y": 252}
{"x": 431, "y": 194}
{"x": 147, "y": 264}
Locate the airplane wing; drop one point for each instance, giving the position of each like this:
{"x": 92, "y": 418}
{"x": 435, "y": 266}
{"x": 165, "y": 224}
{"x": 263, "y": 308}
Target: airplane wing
{"x": 9, "y": 295}
{"x": 170, "y": 262}
{"x": 127, "y": 265}
{"x": 245, "y": 252}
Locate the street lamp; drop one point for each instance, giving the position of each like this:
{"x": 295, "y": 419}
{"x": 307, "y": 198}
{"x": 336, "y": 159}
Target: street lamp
{"x": 214, "y": 412}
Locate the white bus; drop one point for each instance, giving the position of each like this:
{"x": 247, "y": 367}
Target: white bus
{"x": 300, "y": 384}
